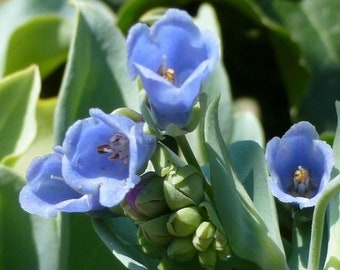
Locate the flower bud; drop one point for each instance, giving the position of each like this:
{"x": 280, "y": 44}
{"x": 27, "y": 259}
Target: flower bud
{"x": 148, "y": 247}
{"x": 207, "y": 259}
{"x": 156, "y": 230}
{"x": 133, "y": 115}
{"x": 146, "y": 199}
{"x": 183, "y": 188}
{"x": 220, "y": 241}
{"x": 184, "y": 222}
{"x": 181, "y": 249}
{"x": 204, "y": 235}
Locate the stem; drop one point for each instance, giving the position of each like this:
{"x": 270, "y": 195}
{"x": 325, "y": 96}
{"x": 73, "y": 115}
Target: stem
{"x": 191, "y": 159}
{"x": 332, "y": 188}
{"x": 187, "y": 151}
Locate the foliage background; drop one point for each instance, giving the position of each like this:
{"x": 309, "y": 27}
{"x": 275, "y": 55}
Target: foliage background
{"x": 284, "y": 54}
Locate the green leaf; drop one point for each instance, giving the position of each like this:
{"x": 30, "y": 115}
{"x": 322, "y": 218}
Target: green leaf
{"x": 247, "y": 126}
{"x": 333, "y": 251}
{"x": 250, "y": 166}
{"x": 15, "y": 227}
{"x": 86, "y": 250}
{"x": 246, "y": 231}
{"x": 18, "y": 97}
{"x": 16, "y": 12}
{"x": 96, "y": 73}
{"x": 43, "y": 40}
{"x": 120, "y": 236}
{"x": 43, "y": 141}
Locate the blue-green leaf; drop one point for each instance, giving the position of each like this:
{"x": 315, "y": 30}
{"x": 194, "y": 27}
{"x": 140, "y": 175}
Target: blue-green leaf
{"x": 120, "y": 236}
{"x": 43, "y": 40}
{"x": 96, "y": 73}
{"x": 247, "y": 232}
{"x": 15, "y": 228}
{"x": 18, "y": 98}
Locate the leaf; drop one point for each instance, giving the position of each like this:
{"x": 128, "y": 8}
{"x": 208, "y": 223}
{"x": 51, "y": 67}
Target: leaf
{"x": 16, "y": 12}
{"x": 43, "y": 141}
{"x": 247, "y": 126}
{"x": 50, "y": 33}
{"x": 86, "y": 250}
{"x": 250, "y": 166}
{"x": 333, "y": 250}
{"x": 119, "y": 234}
{"x": 246, "y": 231}
{"x": 96, "y": 73}
{"x": 15, "y": 227}
{"x": 18, "y": 97}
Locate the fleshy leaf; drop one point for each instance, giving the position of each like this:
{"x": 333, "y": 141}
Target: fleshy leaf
{"x": 243, "y": 225}
{"x": 49, "y": 33}
{"x": 15, "y": 227}
{"x": 16, "y": 12}
{"x": 19, "y": 93}
{"x": 95, "y": 74}
{"x": 120, "y": 236}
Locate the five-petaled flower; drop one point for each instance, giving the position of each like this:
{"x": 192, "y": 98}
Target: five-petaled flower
{"x": 172, "y": 57}
{"x": 299, "y": 165}
{"x": 98, "y": 163}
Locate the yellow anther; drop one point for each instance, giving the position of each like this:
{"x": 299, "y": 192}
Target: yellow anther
{"x": 301, "y": 175}
{"x": 167, "y": 73}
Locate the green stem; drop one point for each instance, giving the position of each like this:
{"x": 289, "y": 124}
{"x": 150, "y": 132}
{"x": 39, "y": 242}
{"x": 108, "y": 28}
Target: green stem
{"x": 332, "y": 188}
{"x": 187, "y": 151}
{"x": 191, "y": 159}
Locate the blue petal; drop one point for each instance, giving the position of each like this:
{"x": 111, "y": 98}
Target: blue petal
{"x": 46, "y": 193}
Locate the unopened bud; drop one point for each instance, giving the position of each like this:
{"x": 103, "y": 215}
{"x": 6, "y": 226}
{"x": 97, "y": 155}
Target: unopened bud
{"x": 148, "y": 247}
{"x": 156, "y": 230}
{"x": 181, "y": 249}
{"x": 146, "y": 199}
{"x": 204, "y": 235}
{"x": 184, "y": 188}
{"x": 207, "y": 258}
{"x": 220, "y": 241}
{"x": 184, "y": 222}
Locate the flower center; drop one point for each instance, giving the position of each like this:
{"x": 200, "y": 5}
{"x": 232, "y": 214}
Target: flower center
{"x": 302, "y": 184}
{"x": 118, "y": 147}
{"x": 167, "y": 73}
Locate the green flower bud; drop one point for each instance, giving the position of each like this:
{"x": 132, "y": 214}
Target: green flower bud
{"x": 181, "y": 249}
{"x": 204, "y": 235}
{"x": 148, "y": 247}
{"x": 150, "y": 201}
{"x": 184, "y": 188}
{"x": 156, "y": 230}
{"x": 220, "y": 241}
{"x": 207, "y": 258}
{"x": 184, "y": 222}
{"x": 146, "y": 200}
{"x": 133, "y": 115}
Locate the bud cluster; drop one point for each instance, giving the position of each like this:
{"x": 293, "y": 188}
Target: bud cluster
{"x": 171, "y": 219}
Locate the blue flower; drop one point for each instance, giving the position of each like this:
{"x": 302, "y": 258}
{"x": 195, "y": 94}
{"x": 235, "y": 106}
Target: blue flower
{"x": 46, "y": 191}
{"x": 299, "y": 165}
{"x": 172, "y": 57}
{"x": 103, "y": 155}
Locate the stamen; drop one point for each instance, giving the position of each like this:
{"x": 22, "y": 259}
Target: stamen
{"x": 165, "y": 72}
{"x": 118, "y": 147}
{"x": 55, "y": 177}
{"x": 302, "y": 184}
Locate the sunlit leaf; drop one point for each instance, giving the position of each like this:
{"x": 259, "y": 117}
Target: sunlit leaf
{"x": 18, "y": 98}
{"x": 96, "y": 73}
